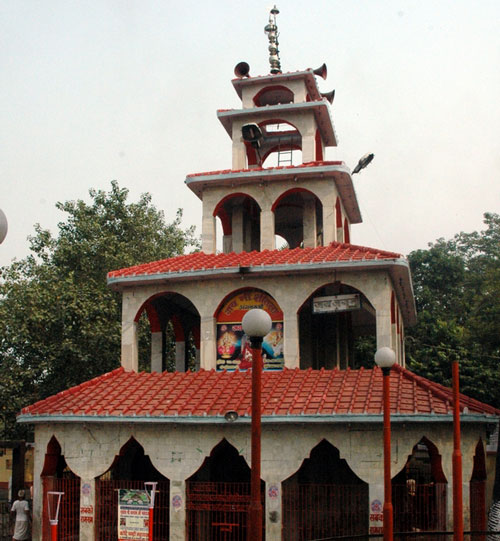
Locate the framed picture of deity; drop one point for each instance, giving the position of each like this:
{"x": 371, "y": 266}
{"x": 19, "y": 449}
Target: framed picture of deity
{"x": 233, "y": 346}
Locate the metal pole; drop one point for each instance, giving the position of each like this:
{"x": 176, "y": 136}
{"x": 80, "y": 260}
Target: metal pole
{"x": 388, "y": 512}
{"x": 255, "y": 509}
{"x": 458, "y": 517}
{"x": 53, "y": 530}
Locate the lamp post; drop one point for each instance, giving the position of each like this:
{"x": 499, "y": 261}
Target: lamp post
{"x": 458, "y": 517}
{"x": 256, "y": 324}
{"x": 385, "y": 359}
{"x": 3, "y": 226}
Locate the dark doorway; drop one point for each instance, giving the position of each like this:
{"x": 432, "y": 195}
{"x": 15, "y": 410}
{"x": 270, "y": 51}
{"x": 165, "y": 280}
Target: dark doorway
{"x": 324, "y": 498}
{"x": 130, "y": 469}
{"x": 218, "y": 496}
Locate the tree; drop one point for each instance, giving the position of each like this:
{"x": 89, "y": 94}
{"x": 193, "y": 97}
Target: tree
{"x": 60, "y": 324}
{"x": 457, "y": 291}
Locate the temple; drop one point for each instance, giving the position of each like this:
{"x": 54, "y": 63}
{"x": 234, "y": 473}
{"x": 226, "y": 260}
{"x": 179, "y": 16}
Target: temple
{"x": 278, "y": 234}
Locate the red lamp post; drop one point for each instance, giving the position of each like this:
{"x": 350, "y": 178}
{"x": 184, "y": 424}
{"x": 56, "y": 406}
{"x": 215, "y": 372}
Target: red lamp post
{"x": 385, "y": 359}
{"x": 256, "y": 324}
{"x": 458, "y": 517}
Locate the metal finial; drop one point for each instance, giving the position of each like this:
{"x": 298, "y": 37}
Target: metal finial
{"x": 271, "y": 29}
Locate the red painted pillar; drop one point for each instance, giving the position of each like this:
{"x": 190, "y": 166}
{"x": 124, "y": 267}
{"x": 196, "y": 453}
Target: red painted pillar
{"x": 388, "y": 511}
{"x": 255, "y": 509}
{"x": 53, "y": 530}
{"x": 458, "y": 518}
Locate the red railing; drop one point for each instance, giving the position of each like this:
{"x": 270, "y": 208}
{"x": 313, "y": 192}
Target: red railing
{"x": 217, "y": 511}
{"x": 107, "y": 508}
{"x": 68, "y": 528}
{"x": 477, "y": 501}
{"x": 315, "y": 511}
{"x": 419, "y": 507}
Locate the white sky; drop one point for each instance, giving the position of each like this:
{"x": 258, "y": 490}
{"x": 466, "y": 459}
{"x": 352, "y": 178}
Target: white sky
{"x": 95, "y": 90}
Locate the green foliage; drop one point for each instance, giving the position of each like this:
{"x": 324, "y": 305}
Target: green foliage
{"x": 60, "y": 324}
{"x": 457, "y": 290}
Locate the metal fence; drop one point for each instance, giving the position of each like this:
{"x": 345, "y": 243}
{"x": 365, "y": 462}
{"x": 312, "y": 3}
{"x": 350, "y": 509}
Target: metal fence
{"x": 68, "y": 528}
{"x": 5, "y": 524}
{"x": 107, "y": 508}
{"x": 314, "y": 511}
{"x": 218, "y": 511}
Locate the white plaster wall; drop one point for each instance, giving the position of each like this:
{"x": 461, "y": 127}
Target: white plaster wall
{"x": 177, "y": 451}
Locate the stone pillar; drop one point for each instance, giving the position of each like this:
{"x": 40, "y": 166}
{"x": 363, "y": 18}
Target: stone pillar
{"x": 237, "y": 227}
{"x": 376, "y": 505}
{"x": 239, "y": 149}
{"x": 227, "y": 244}
{"x": 180, "y": 356}
{"x": 309, "y": 223}
{"x": 208, "y": 232}
{"x": 291, "y": 350}
{"x": 274, "y": 515}
{"x": 329, "y": 227}
{"x": 87, "y": 509}
{"x": 383, "y": 322}
{"x": 177, "y": 510}
{"x": 207, "y": 339}
{"x": 130, "y": 348}
{"x": 267, "y": 240}
{"x": 309, "y": 145}
{"x": 157, "y": 351}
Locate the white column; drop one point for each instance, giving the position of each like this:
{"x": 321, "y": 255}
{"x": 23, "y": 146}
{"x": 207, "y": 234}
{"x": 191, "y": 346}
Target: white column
{"x": 177, "y": 510}
{"x": 309, "y": 223}
{"x": 87, "y": 509}
{"x": 237, "y": 227}
{"x": 207, "y": 343}
{"x": 156, "y": 351}
{"x": 130, "y": 350}
{"x": 267, "y": 240}
{"x": 274, "y": 514}
{"x": 180, "y": 356}
{"x": 375, "y": 505}
{"x": 208, "y": 232}
{"x": 291, "y": 350}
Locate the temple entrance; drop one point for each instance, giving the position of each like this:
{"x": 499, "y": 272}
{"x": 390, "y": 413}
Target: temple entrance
{"x": 324, "y": 498}
{"x": 130, "y": 469}
{"x": 218, "y": 496}
{"x": 333, "y": 322}
{"x": 57, "y": 477}
{"x": 419, "y": 491}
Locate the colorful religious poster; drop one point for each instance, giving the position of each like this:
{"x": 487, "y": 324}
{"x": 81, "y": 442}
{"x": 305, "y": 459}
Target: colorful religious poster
{"x": 133, "y": 514}
{"x": 233, "y": 346}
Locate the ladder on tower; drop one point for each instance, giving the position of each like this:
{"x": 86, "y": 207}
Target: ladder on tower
{"x": 285, "y": 156}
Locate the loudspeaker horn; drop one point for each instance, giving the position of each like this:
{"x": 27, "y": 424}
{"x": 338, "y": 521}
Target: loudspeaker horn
{"x": 321, "y": 71}
{"x": 242, "y": 70}
{"x": 329, "y": 95}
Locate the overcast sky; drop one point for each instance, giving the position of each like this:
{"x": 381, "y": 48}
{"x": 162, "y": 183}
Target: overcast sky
{"x": 96, "y": 90}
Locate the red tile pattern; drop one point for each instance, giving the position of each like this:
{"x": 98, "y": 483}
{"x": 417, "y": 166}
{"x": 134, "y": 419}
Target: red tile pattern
{"x": 198, "y": 261}
{"x": 284, "y": 393}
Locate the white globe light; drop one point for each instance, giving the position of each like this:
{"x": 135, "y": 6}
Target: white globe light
{"x": 385, "y": 357}
{"x": 256, "y": 322}
{"x": 3, "y": 226}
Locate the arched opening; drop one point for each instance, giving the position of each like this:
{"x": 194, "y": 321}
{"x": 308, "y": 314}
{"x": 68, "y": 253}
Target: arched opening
{"x": 298, "y": 218}
{"x": 337, "y": 328}
{"x": 273, "y": 95}
{"x": 324, "y": 498}
{"x": 239, "y": 215}
{"x": 174, "y": 324}
{"x": 419, "y": 491}
{"x": 281, "y": 144}
{"x": 233, "y": 346}
{"x": 477, "y": 488}
{"x": 58, "y": 477}
{"x": 218, "y": 496}
{"x": 130, "y": 470}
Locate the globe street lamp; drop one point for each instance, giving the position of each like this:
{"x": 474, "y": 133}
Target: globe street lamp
{"x": 3, "y": 226}
{"x": 256, "y": 324}
{"x": 385, "y": 359}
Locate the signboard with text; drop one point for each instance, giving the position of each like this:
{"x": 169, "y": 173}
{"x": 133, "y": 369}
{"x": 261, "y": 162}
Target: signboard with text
{"x": 133, "y": 514}
{"x": 336, "y": 303}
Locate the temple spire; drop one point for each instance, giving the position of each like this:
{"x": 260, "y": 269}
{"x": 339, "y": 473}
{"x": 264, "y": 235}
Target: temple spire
{"x": 271, "y": 29}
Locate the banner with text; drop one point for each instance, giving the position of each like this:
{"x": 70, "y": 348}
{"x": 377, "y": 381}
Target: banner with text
{"x": 133, "y": 514}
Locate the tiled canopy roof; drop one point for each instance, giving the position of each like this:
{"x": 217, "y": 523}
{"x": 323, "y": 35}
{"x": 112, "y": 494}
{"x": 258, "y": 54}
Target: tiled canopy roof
{"x": 200, "y": 261}
{"x": 286, "y": 395}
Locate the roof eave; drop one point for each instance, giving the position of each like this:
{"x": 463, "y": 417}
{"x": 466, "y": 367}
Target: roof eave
{"x": 339, "y": 172}
{"x": 396, "y": 418}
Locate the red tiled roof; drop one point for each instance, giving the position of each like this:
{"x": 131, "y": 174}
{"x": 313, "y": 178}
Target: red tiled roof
{"x": 200, "y": 261}
{"x": 255, "y": 169}
{"x": 284, "y": 393}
